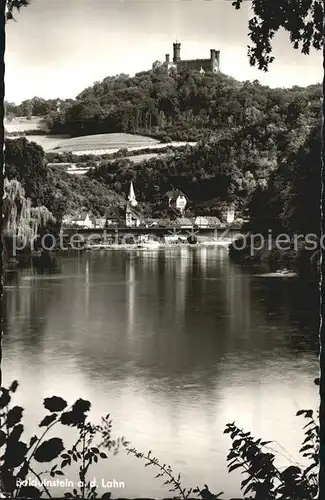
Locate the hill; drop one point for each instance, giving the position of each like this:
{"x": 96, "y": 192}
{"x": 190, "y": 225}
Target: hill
{"x": 186, "y": 106}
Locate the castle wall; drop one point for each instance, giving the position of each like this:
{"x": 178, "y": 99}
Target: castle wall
{"x": 195, "y": 65}
{"x": 211, "y": 64}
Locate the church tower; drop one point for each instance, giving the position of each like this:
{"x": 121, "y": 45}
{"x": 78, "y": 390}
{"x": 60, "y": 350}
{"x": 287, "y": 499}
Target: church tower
{"x": 132, "y": 214}
{"x": 131, "y": 198}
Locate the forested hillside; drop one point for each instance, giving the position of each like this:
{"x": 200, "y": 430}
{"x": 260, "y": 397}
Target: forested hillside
{"x": 255, "y": 145}
{"x": 186, "y": 106}
{"x": 53, "y": 187}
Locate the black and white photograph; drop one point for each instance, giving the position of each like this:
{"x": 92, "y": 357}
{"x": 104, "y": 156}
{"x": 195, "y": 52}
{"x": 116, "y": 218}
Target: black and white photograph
{"x": 162, "y": 249}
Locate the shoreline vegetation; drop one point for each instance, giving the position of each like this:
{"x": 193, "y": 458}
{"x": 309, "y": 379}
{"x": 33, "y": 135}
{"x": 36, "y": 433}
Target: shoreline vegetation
{"x": 297, "y": 258}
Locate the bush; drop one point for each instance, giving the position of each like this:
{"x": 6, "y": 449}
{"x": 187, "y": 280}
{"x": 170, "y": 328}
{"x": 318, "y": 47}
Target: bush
{"x": 17, "y": 461}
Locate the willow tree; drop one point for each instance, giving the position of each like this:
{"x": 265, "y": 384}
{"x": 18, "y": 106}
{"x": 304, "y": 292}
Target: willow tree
{"x": 304, "y": 22}
{"x": 20, "y": 219}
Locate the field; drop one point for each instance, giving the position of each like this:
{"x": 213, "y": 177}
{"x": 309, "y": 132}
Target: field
{"x": 104, "y": 142}
{"x": 47, "y": 142}
{"x": 20, "y": 124}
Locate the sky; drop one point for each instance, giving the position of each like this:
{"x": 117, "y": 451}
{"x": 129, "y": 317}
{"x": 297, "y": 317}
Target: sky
{"x": 59, "y": 47}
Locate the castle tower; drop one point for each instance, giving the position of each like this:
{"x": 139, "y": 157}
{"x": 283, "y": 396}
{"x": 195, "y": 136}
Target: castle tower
{"x": 131, "y": 198}
{"x": 167, "y": 59}
{"x": 217, "y": 67}
{"x": 176, "y": 52}
{"x": 213, "y": 59}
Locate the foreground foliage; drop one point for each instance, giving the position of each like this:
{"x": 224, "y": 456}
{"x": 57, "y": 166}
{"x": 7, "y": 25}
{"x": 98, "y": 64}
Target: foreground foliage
{"x": 302, "y": 20}
{"x": 255, "y": 459}
{"x": 21, "y": 460}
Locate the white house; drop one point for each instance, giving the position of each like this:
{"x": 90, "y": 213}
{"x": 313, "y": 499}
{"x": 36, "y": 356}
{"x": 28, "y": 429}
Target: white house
{"x": 184, "y": 223}
{"x": 206, "y": 221}
{"x": 177, "y": 199}
{"x": 84, "y": 221}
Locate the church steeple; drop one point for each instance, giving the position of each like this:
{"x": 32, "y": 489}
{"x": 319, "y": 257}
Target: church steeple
{"x": 131, "y": 198}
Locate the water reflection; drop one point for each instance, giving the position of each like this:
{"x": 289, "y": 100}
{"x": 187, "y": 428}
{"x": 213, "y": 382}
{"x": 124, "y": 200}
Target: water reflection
{"x": 174, "y": 344}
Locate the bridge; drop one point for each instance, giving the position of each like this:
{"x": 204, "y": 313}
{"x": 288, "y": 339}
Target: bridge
{"x": 200, "y": 234}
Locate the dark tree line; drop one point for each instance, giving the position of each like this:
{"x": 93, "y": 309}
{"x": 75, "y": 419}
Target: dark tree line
{"x": 187, "y": 106}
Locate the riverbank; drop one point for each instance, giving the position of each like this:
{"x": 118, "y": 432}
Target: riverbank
{"x": 296, "y": 258}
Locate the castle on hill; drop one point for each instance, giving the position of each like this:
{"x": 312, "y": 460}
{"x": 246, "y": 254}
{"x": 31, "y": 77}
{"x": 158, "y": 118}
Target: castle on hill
{"x": 212, "y": 64}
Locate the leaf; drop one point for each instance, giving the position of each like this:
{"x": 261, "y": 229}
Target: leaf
{"x": 4, "y": 398}
{"x": 306, "y": 447}
{"x": 3, "y": 438}
{"x": 310, "y": 467}
{"x": 48, "y": 420}
{"x": 15, "y": 434}
{"x": 13, "y": 386}
{"x": 249, "y": 488}
{"x": 55, "y": 404}
{"x": 15, "y": 455}
{"x": 233, "y": 467}
{"x": 81, "y": 406}
{"x": 290, "y": 473}
{"x": 49, "y": 450}
{"x": 72, "y": 418}
{"x": 14, "y": 416}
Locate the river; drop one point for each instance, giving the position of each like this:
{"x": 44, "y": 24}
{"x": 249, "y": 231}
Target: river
{"x": 174, "y": 344}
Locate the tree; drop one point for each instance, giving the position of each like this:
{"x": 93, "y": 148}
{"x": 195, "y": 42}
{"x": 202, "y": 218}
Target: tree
{"x": 12, "y": 5}
{"x": 304, "y": 21}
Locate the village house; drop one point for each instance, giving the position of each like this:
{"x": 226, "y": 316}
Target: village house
{"x": 177, "y": 200}
{"x": 99, "y": 223}
{"x": 133, "y": 217}
{"x": 184, "y": 223}
{"x": 85, "y": 221}
{"x": 114, "y": 216}
{"x": 207, "y": 221}
{"x": 157, "y": 222}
